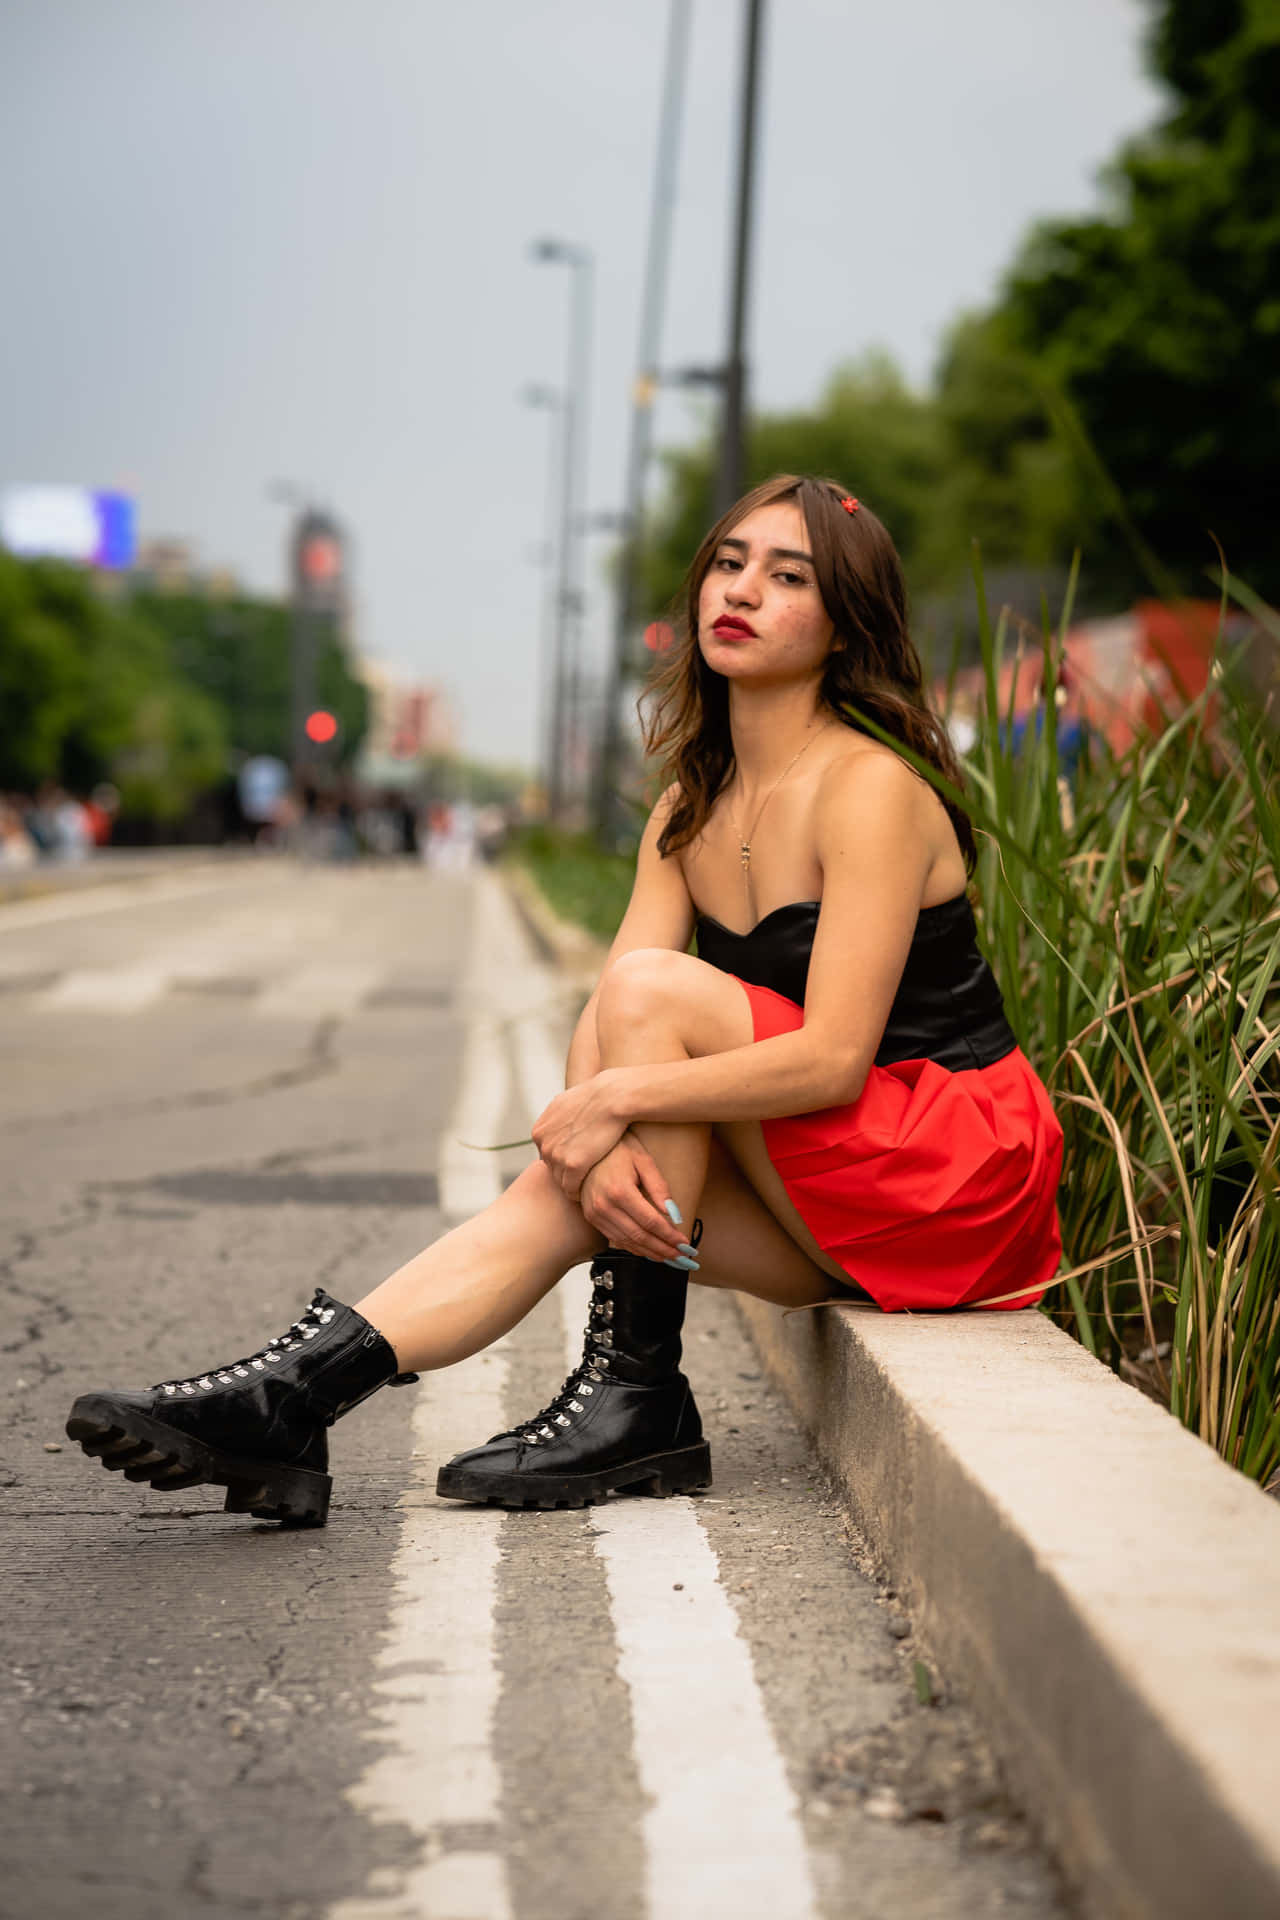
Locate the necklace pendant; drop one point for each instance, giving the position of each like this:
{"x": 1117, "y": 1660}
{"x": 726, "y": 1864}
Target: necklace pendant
{"x": 744, "y": 852}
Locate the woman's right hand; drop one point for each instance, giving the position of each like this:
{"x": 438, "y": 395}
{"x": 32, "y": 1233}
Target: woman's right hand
{"x": 624, "y": 1197}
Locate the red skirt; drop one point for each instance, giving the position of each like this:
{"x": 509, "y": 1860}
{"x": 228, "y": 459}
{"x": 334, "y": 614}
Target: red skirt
{"x": 933, "y": 1188}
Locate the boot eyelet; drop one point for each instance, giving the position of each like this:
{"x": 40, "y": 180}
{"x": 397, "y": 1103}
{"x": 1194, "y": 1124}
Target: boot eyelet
{"x": 576, "y": 1406}
{"x": 563, "y": 1420}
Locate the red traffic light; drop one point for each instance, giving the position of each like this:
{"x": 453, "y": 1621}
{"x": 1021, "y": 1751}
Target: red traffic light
{"x": 321, "y": 726}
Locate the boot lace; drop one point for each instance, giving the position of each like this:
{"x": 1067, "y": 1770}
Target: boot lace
{"x": 305, "y": 1327}
{"x": 585, "y": 1378}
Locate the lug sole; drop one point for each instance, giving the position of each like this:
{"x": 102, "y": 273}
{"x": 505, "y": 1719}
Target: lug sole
{"x": 145, "y": 1449}
{"x": 686, "y": 1470}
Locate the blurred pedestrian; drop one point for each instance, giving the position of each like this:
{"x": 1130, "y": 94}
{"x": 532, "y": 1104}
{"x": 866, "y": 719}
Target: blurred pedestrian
{"x": 17, "y": 848}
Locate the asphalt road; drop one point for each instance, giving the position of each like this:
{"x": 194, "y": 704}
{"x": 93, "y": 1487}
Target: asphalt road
{"x": 218, "y": 1089}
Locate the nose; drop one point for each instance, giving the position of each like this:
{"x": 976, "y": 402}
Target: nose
{"x": 743, "y": 588}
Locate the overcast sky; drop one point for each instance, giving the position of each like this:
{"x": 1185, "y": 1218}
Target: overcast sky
{"x": 257, "y": 240}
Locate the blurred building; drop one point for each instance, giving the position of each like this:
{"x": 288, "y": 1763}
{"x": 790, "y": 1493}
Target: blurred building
{"x": 409, "y": 720}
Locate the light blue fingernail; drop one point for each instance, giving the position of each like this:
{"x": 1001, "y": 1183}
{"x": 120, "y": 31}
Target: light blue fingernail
{"x": 688, "y": 1266}
{"x": 673, "y": 1213}
{"x": 686, "y": 1248}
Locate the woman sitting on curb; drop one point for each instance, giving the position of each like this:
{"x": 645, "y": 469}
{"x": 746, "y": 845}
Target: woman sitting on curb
{"x": 831, "y": 1085}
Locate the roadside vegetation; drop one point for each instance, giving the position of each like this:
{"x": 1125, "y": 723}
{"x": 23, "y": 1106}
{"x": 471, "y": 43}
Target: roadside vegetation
{"x": 1132, "y": 912}
{"x": 581, "y": 884}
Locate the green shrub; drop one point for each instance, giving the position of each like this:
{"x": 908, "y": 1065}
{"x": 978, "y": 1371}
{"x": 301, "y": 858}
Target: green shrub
{"x": 1133, "y": 920}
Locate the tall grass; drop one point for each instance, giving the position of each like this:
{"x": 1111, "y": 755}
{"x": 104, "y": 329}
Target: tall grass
{"x": 1133, "y": 918}
{"x": 1132, "y": 915}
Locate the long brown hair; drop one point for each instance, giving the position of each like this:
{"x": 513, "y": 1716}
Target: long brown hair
{"x": 873, "y": 666}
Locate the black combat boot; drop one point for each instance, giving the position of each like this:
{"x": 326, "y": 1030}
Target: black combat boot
{"x": 624, "y": 1419}
{"x": 258, "y": 1426}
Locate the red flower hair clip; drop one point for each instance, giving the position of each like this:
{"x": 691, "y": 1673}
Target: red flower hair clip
{"x": 849, "y": 504}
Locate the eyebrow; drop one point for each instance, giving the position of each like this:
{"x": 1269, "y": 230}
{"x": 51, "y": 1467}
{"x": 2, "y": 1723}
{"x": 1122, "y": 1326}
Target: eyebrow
{"x": 774, "y": 553}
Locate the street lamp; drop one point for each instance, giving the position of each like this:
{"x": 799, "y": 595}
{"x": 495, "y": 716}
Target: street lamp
{"x": 730, "y": 474}
{"x": 579, "y": 260}
{"x": 550, "y": 662}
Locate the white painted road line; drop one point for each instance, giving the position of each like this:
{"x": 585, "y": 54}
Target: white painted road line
{"x": 722, "y": 1830}
{"x": 108, "y": 990}
{"x": 111, "y": 897}
{"x": 438, "y": 1775}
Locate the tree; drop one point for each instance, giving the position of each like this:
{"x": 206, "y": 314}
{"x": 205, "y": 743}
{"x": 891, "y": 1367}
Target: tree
{"x": 87, "y": 693}
{"x": 869, "y": 431}
{"x": 1159, "y": 321}
{"x": 237, "y": 651}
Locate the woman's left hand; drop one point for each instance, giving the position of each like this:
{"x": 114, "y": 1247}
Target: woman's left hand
{"x": 578, "y": 1128}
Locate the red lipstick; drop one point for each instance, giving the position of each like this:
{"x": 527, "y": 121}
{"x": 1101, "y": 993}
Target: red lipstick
{"x": 729, "y": 624}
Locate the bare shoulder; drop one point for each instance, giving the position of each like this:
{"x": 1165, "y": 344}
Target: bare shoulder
{"x": 660, "y": 814}
{"x": 866, "y": 777}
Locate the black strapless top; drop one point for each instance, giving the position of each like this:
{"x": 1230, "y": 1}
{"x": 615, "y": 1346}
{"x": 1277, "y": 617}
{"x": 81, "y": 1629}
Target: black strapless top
{"x": 947, "y": 1007}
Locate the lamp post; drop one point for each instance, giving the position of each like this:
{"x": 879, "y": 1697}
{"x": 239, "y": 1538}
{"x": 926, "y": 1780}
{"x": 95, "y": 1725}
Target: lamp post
{"x": 729, "y": 477}
{"x": 581, "y": 264}
{"x": 550, "y": 662}
{"x": 643, "y": 392}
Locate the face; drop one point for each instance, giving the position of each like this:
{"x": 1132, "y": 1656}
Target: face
{"x": 760, "y": 615}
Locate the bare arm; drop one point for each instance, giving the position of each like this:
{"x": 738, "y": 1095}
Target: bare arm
{"x": 875, "y": 847}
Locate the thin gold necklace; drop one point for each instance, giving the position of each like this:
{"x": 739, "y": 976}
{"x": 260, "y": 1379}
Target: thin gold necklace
{"x": 744, "y": 840}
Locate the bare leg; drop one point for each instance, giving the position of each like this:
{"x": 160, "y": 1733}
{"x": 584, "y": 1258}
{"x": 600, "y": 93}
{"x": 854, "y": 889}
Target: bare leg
{"x": 473, "y": 1285}
{"x": 657, "y": 1005}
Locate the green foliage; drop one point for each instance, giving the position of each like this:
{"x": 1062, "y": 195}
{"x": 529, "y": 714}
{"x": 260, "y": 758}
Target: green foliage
{"x": 237, "y": 651}
{"x": 450, "y": 776}
{"x": 1133, "y": 919}
{"x": 87, "y": 692}
{"x": 1132, "y": 914}
{"x": 1159, "y": 321}
{"x": 582, "y": 884}
{"x": 868, "y": 424}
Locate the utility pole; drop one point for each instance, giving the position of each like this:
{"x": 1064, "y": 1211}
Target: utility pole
{"x": 730, "y": 476}
{"x": 573, "y": 455}
{"x": 643, "y": 394}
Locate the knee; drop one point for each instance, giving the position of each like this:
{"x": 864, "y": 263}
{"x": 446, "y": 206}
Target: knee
{"x": 637, "y": 989}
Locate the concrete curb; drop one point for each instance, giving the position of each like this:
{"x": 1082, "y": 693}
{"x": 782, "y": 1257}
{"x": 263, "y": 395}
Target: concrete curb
{"x": 1102, "y": 1587}
{"x": 1094, "y": 1578}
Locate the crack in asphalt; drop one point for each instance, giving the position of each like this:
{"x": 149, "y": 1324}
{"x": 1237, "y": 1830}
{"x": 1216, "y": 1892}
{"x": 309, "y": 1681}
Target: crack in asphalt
{"x": 321, "y": 1058}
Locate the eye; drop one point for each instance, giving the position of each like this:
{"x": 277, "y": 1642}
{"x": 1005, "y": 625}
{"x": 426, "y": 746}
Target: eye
{"x": 729, "y": 560}
{"x": 790, "y": 578}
